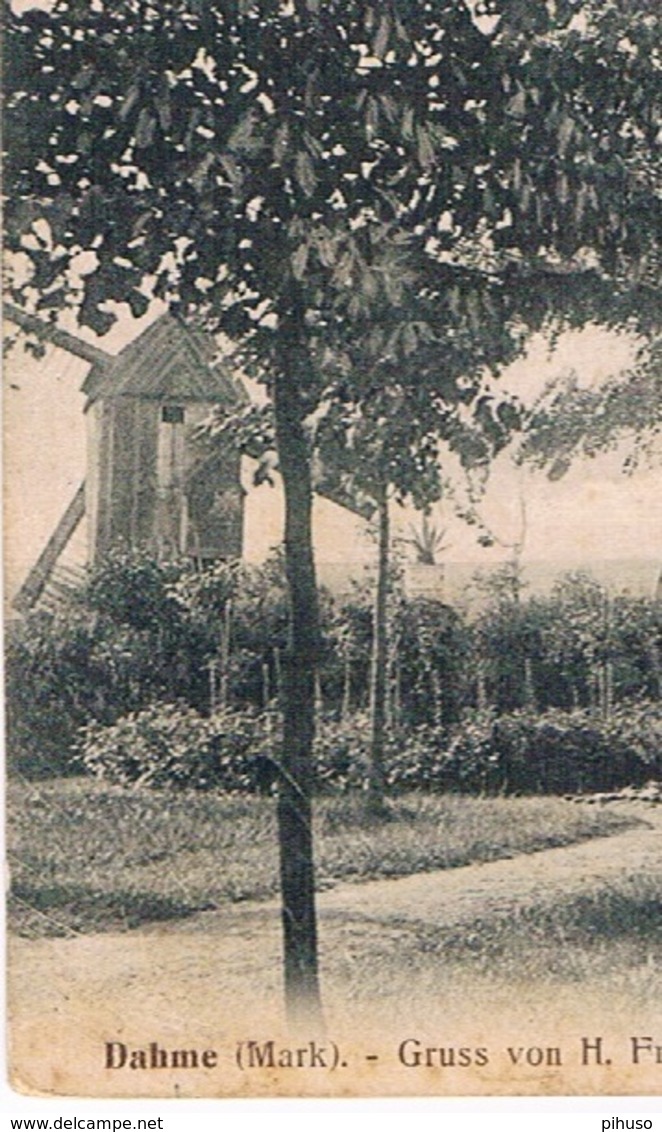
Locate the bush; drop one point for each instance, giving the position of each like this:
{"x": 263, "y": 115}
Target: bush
{"x": 341, "y": 753}
{"x": 120, "y": 642}
{"x": 637, "y": 726}
{"x": 69, "y": 667}
{"x": 433, "y": 658}
{"x": 517, "y": 753}
{"x": 415, "y": 759}
{"x": 132, "y": 588}
{"x": 172, "y": 745}
{"x": 578, "y": 647}
{"x": 557, "y": 752}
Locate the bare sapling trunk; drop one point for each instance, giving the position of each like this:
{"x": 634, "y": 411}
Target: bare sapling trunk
{"x": 656, "y": 667}
{"x": 529, "y": 686}
{"x": 212, "y": 673}
{"x": 278, "y": 675}
{"x": 397, "y": 690}
{"x": 223, "y": 691}
{"x": 346, "y": 705}
{"x": 295, "y": 784}
{"x": 379, "y": 665}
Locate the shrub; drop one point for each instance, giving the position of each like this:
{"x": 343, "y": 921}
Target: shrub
{"x": 557, "y": 752}
{"x": 172, "y": 745}
{"x": 471, "y": 760}
{"x": 122, "y": 640}
{"x": 341, "y": 753}
{"x": 45, "y": 707}
{"x": 637, "y": 726}
{"x": 415, "y": 759}
{"x": 579, "y": 646}
{"x": 132, "y": 588}
{"x": 433, "y": 659}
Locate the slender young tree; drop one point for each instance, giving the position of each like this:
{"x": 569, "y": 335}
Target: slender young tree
{"x": 234, "y": 157}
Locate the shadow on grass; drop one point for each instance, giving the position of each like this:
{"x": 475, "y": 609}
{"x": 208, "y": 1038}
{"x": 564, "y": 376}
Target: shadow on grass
{"x": 558, "y": 940}
{"x": 613, "y": 915}
{"x": 71, "y": 909}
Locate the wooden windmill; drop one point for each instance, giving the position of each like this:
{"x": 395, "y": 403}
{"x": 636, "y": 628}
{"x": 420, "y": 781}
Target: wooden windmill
{"x": 152, "y": 479}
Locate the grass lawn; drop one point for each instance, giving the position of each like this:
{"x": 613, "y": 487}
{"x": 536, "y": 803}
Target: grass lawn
{"x": 85, "y": 856}
{"x": 601, "y": 950}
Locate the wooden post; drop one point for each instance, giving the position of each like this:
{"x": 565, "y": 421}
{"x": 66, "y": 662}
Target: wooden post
{"x": 212, "y": 668}
{"x": 529, "y": 689}
{"x": 278, "y": 674}
{"x": 378, "y": 676}
{"x": 37, "y": 579}
{"x": 346, "y": 705}
{"x": 225, "y": 655}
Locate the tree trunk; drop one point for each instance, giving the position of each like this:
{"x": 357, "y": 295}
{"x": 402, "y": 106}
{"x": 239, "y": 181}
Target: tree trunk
{"x": 299, "y": 663}
{"x": 346, "y": 705}
{"x": 397, "y": 690}
{"x": 529, "y": 686}
{"x": 656, "y": 667}
{"x": 225, "y": 655}
{"x": 378, "y": 672}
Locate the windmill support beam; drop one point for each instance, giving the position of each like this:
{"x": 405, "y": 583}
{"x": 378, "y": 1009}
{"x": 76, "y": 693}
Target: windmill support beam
{"x": 48, "y": 332}
{"x": 37, "y": 579}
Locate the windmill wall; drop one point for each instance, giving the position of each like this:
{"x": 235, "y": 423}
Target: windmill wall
{"x": 153, "y": 482}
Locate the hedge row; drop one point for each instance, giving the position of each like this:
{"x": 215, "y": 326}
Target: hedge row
{"x": 172, "y": 745}
{"x": 557, "y": 752}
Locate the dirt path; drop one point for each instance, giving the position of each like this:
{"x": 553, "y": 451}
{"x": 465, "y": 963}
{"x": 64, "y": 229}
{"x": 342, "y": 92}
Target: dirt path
{"x": 199, "y": 976}
{"x": 439, "y": 899}
{"x": 462, "y": 895}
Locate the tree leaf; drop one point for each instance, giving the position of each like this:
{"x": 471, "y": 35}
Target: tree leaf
{"x": 145, "y": 128}
{"x": 299, "y": 261}
{"x": 83, "y": 79}
{"x": 138, "y": 303}
{"x": 326, "y": 251}
{"x": 201, "y": 172}
{"x": 426, "y": 151}
{"x": 242, "y": 135}
{"x": 304, "y": 172}
{"x": 565, "y": 132}
{"x": 281, "y": 142}
{"x": 380, "y": 42}
{"x": 517, "y": 104}
{"x": 408, "y": 123}
{"x": 164, "y": 108}
{"x": 129, "y": 101}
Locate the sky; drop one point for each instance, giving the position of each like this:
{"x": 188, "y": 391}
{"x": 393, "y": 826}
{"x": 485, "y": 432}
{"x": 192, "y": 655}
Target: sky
{"x": 595, "y": 512}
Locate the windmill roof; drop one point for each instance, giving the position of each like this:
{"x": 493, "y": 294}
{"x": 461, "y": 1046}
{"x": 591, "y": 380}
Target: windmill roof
{"x": 168, "y": 360}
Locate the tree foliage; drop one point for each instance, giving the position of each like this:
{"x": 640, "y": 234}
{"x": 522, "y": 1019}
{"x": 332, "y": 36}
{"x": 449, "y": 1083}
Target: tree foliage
{"x": 234, "y": 155}
{"x": 580, "y": 646}
{"x": 570, "y": 420}
{"x": 281, "y": 168}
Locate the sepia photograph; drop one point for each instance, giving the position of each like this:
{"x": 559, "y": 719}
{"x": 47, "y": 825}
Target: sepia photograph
{"x": 333, "y": 548}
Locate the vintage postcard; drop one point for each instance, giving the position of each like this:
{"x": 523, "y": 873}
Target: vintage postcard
{"x": 333, "y": 591}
